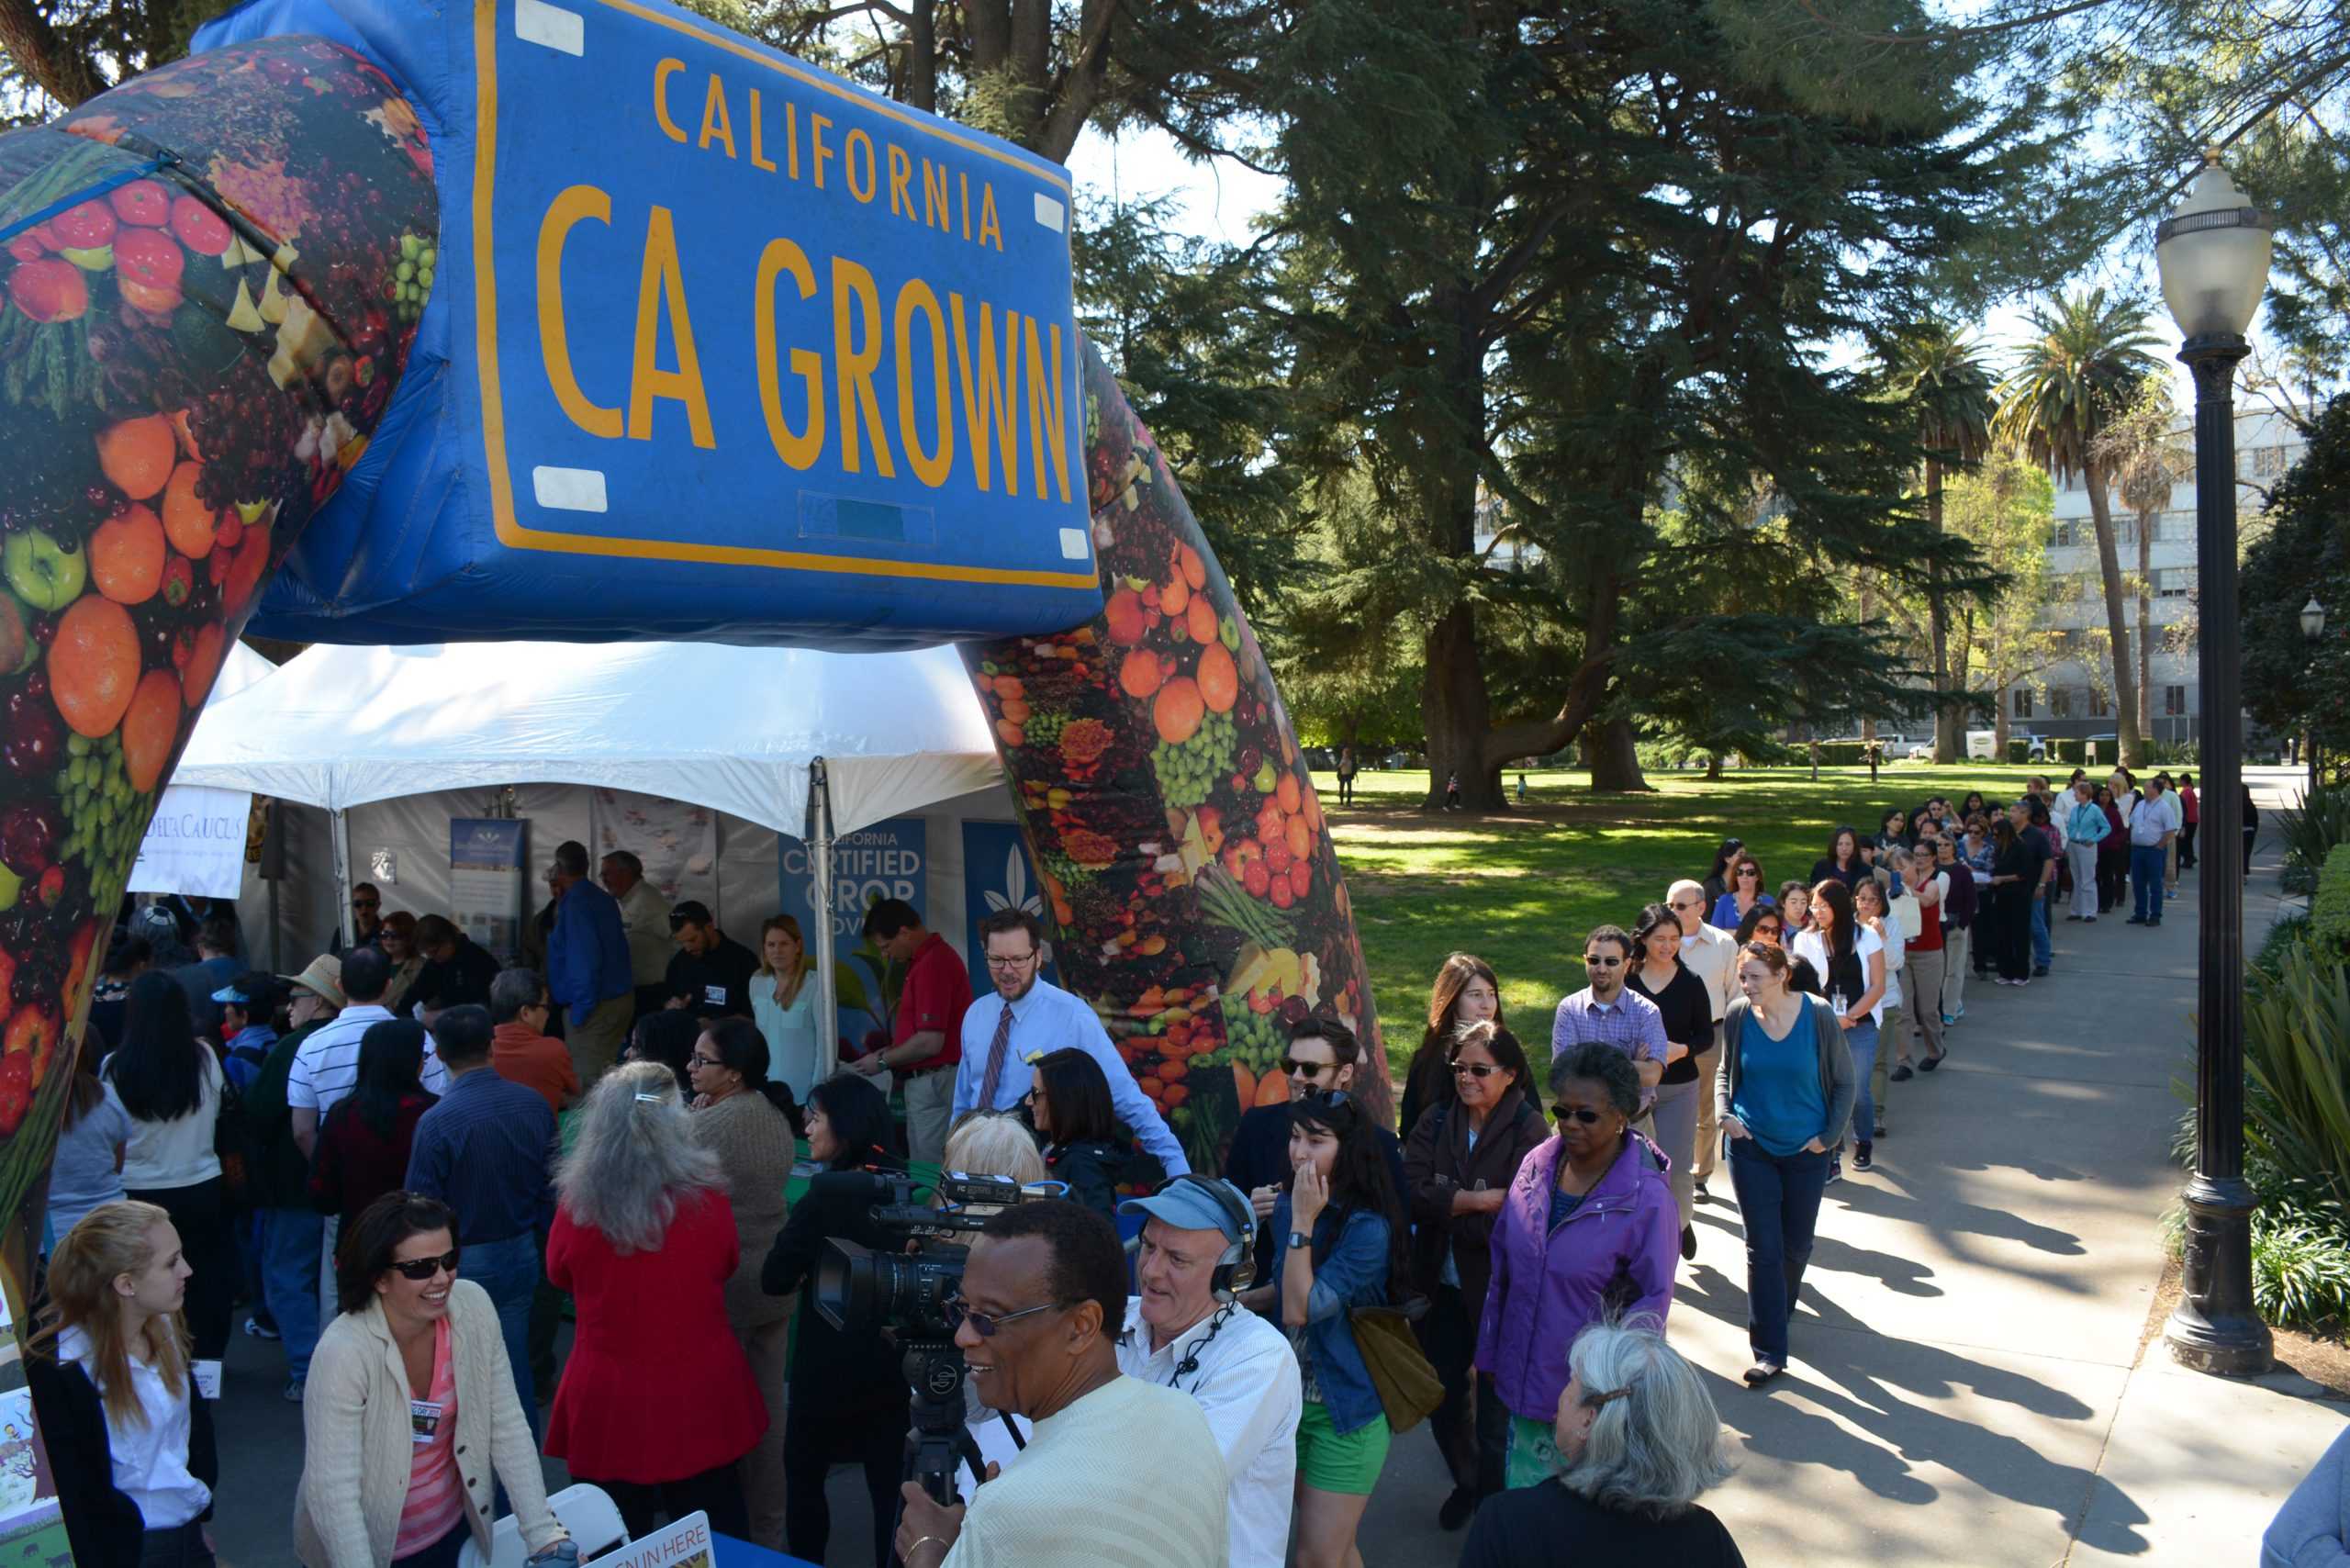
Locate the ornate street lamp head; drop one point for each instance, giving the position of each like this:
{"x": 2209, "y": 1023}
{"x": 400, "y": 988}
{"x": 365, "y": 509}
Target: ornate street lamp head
{"x": 2312, "y": 618}
{"x": 2212, "y": 253}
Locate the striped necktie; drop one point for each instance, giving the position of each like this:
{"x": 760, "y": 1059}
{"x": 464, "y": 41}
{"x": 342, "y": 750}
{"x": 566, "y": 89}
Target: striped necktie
{"x": 997, "y": 1048}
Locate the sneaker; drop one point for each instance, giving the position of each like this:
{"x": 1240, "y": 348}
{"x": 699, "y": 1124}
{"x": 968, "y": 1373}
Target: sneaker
{"x": 1689, "y": 1244}
{"x": 260, "y": 1330}
{"x": 2090, "y": 919}
{"x": 1863, "y": 1154}
{"x": 1879, "y": 1130}
{"x": 2040, "y": 973}
{"x": 1835, "y": 1168}
{"x": 1761, "y": 1371}
{"x": 2170, "y": 892}
{"x": 294, "y": 1391}
{"x": 2135, "y": 920}
{"x": 1959, "y": 1016}
{"x": 1950, "y": 1021}
{"x": 1702, "y": 1195}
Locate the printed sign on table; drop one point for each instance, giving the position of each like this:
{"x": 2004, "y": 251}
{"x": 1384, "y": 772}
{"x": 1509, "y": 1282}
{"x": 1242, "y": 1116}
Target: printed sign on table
{"x": 887, "y": 860}
{"x": 687, "y": 1543}
{"x": 195, "y": 845}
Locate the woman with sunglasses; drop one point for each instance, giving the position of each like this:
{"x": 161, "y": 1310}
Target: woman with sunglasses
{"x": 657, "y": 1404}
{"x": 1587, "y": 1231}
{"x": 1466, "y": 991}
{"x": 1745, "y": 892}
{"x": 1458, "y": 1166}
{"x": 1719, "y": 881}
{"x": 1342, "y": 1225}
{"x": 1069, "y": 1104}
{"x": 1658, "y": 974}
{"x": 848, "y": 1395}
{"x": 410, "y": 1415}
{"x": 1785, "y": 1091}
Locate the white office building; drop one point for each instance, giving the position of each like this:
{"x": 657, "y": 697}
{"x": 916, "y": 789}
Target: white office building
{"x": 2075, "y": 697}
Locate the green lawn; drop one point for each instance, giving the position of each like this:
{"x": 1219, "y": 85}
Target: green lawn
{"x": 1520, "y": 890}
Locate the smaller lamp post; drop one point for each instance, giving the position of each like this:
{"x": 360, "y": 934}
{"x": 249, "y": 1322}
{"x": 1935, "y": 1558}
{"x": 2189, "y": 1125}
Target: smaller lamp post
{"x": 2213, "y": 253}
{"x": 2312, "y": 628}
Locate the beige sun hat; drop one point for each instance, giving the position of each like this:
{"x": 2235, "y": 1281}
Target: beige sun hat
{"x": 323, "y": 977}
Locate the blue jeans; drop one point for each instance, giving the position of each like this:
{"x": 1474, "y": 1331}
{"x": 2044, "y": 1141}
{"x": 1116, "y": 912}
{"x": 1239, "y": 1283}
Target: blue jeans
{"x": 2146, "y": 882}
{"x": 508, "y": 1270}
{"x": 289, "y": 1281}
{"x": 2042, "y": 952}
{"x": 1861, "y": 1040}
{"x": 1778, "y": 1200}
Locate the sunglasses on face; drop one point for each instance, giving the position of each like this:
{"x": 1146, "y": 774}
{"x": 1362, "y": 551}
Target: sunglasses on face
{"x": 1766, "y": 931}
{"x": 1582, "y": 1113}
{"x": 958, "y": 1312}
{"x": 1591, "y": 963}
{"x": 1297, "y": 1068}
{"x": 366, "y": 904}
{"x": 1475, "y": 1069}
{"x": 422, "y": 1268}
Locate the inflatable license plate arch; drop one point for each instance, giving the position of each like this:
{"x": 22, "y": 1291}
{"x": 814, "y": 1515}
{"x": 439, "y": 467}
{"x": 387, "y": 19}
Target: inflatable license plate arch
{"x": 377, "y": 322}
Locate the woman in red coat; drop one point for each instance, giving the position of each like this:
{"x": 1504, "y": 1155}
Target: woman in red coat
{"x": 656, "y": 1403}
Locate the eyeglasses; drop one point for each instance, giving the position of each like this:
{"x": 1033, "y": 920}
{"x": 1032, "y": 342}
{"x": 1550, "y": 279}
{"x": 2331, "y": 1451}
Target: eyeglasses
{"x": 1746, "y": 871}
{"x": 422, "y": 1268}
{"x": 366, "y": 903}
{"x": 1591, "y": 963}
{"x": 998, "y": 961}
{"x": 1297, "y": 1068}
{"x": 697, "y": 1060}
{"x": 1582, "y": 1113}
{"x": 957, "y": 1312}
{"x": 1688, "y": 904}
{"x": 1475, "y": 1069}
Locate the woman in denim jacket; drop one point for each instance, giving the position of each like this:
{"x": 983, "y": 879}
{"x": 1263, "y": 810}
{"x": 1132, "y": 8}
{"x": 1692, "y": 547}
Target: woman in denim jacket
{"x": 1343, "y": 1232}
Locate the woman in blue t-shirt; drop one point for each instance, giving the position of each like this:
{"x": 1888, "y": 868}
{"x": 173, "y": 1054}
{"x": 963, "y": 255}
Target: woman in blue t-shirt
{"x": 1784, "y": 1093}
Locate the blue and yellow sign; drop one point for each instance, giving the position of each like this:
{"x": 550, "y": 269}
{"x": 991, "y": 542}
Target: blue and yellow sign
{"x": 732, "y": 346}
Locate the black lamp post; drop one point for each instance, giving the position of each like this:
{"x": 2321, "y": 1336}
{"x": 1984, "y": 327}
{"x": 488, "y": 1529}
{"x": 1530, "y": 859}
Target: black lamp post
{"x": 2213, "y": 254}
{"x": 2313, "y": 627}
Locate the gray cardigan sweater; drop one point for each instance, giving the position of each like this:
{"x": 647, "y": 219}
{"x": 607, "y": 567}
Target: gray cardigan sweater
{"x": 1836, "y": 1084}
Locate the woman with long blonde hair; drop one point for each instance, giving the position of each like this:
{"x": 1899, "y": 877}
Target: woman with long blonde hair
{"x": 1466, "y": 991}
{"x": 783, "y": 1005}
{"x": 130, "y": 1440}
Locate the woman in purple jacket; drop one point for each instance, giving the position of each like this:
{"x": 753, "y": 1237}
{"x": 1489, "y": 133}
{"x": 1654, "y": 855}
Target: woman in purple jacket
{"x": 1588, "y": 1230}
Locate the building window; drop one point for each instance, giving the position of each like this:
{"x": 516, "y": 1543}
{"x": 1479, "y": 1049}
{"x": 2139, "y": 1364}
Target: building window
{"x": 2174, "y": 582}
{"x": 2267, "y": 462}
{"x": 2060, "y": 702}
{"x": 2100, "y": 707}
{"x": 2060, "y": 536}
{"x": 2023, "y": 703}
{"x": 2125, "y": 532}
{"x": 2176, "y": 528}
{"x": 2174, "y": 702}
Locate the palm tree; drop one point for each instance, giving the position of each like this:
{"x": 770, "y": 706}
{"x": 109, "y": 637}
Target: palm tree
{"x": 1940, "y": 376}
{"x": 2143, "y": 454}
{"x": 2073, "y": 378}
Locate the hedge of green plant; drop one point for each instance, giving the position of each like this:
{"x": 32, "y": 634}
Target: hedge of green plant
{"x": 2329, "y": 910}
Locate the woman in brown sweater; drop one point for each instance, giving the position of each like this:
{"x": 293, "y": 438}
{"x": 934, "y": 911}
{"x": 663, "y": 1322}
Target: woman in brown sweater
{"x": 749, "y": 1121}
{"x": 1459, "y": 1162}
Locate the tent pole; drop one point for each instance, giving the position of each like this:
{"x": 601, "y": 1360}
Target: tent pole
{"x": 819, "y": 839}
{"x": 338, "y": 824}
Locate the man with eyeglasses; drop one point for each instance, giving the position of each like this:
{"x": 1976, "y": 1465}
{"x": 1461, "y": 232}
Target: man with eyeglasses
{"x": 925, "y": 1047}
{"x": 1711, "y": 954}
{"x": 1606, "y": 1012}
{"x": 1026, "y": 1017}
{"x": 366, "y": 919}
{"x": 1117, "y": 1469}
{"x": 1323, "y": 1054}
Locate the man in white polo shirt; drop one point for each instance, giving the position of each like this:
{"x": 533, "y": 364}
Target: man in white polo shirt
{"x": 1711, "y": 954}
{"x": 1186, "y": 1332}
{"x": 326, "y": 1067}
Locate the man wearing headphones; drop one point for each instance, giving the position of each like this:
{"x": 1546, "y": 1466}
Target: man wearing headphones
{"x": 1186, "y": 1331}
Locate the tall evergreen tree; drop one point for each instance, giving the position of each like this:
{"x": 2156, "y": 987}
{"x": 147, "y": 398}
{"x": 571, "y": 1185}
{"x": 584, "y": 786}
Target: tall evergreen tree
{"x": 1939, "y": 375}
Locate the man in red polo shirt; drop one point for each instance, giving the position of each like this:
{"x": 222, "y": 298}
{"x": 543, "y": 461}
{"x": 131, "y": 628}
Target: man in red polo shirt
{"x": 926, "y": 1041}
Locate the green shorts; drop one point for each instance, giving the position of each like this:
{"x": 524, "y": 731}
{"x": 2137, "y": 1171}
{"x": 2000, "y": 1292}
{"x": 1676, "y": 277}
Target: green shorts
{"x": 1332, "y": 1460}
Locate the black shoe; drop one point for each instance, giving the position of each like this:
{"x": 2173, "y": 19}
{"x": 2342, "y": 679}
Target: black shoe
{"x": 1862, "y": 1155}
{"x": 1689, "y": 1244}
{"x": 1932, "y": 1062}
{"x": 1880, "y": 1128}
{"x": 2073, "y": 917}
{"x": 1900, "y": 1074}
{"x": 1702, "y": 1195}
{"x": 2135, "y": 920}
{"x": 1761, "y": 1371}
{"x": 1835, "y": 1168}
{"x": 1457, "y": 1509}
{"x": 2040, "y": 973}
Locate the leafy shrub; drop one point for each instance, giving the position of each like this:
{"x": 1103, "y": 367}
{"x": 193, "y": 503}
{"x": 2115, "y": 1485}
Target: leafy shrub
{"x": 2300, "y": 1266}
{"x": 2285, "y": 933}
{"x": 2067, "y": 749}
{"x": 2297, "y": 1070}
{"x": 2330, "y": 910}
{"x": 2311, "y": 832}
{"x": 2018, "y": 751}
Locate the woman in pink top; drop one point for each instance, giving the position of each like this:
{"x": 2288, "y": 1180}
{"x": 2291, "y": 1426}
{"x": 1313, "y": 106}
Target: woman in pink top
{"x": 2194, "y": 818}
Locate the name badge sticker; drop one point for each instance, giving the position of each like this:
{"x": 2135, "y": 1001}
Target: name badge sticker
{"x": 714, "y": 994}
{"x": 207, "y": 1378}
{"x": 423, "y": 1420}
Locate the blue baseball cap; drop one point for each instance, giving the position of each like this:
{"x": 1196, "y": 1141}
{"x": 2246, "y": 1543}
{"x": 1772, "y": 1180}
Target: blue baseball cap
{"x": 230, "y": 994}
{"x": 1190, "y": 1206}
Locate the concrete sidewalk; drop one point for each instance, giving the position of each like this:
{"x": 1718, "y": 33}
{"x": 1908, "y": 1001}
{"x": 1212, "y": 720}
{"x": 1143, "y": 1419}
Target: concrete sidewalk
{"x": 1967, "y": 1384}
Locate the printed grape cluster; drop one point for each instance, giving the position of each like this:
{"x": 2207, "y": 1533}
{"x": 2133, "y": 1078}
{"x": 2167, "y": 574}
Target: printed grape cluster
{"x": 1189, "y": 772}
{"x": 409, "y": 282}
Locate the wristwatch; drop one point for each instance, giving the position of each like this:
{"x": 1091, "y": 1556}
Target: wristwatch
{"x": 1298, "y": 1238}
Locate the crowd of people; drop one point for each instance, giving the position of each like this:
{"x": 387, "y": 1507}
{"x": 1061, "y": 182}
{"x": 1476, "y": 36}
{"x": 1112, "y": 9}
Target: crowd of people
{"x": 408, "y": 1159}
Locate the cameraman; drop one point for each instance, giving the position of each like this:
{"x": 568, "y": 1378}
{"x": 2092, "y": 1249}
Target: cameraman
{"x": 849, "y": 1402}
{"x": 1187, "y": 1332}
{"x": 1117, "y": 1469}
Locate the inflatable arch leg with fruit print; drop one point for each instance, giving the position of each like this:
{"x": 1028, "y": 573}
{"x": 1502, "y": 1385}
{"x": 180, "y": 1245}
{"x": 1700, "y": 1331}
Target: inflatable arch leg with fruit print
{"x": 379, "y": 321}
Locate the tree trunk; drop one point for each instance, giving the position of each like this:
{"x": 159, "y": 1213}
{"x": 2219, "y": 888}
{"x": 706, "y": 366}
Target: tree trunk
{"x": 1713, "y": 768}
{"x": 26, "y": 37}
{"x": 1949, "y": 724}
{"x": 1454, "y": 711}
{"x": 2145, "y": 620}
{"x": 2130, "y": 739}
{"x": 1999, "y": 723}
{"x": 1609, "y": 747}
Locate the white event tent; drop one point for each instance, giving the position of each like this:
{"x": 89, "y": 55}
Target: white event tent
{"x": 762, "y": 734}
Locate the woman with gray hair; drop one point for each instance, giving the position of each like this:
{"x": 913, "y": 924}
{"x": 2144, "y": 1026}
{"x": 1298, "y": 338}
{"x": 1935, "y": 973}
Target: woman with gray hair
{"x": 657, "y": 1402}
{"x": 1638, "y": 1440}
